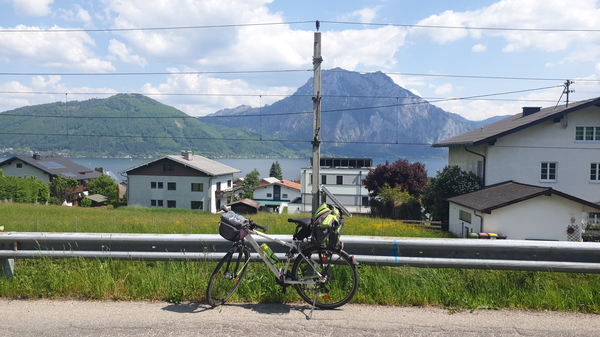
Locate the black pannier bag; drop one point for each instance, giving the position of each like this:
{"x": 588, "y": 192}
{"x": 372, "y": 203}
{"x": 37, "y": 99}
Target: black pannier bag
{"x": 233, "y": 226}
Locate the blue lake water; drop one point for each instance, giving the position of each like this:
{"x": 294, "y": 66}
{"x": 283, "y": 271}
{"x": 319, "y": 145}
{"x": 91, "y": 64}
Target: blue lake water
{"x": 289, "y": 167}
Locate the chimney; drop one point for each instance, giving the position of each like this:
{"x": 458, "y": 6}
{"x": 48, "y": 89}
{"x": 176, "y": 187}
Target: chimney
{"x": 528, "y": 110}
{"x": 187, "y": 155}
{"x": 36, "y": 156}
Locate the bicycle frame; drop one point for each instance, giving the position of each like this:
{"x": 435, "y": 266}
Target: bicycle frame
{"x": 280, "y": 272}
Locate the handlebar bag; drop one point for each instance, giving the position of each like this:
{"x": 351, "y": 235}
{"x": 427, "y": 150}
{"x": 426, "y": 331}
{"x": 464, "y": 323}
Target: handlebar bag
{"x": 233, "y": 227}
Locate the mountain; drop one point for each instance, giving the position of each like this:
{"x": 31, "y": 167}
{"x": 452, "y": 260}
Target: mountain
{"x": 363, "y": 115}
{"x": 122, "y": 125}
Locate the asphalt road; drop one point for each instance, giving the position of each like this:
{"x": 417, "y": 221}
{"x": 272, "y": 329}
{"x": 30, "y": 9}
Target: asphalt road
{"x": 88, "y": 318}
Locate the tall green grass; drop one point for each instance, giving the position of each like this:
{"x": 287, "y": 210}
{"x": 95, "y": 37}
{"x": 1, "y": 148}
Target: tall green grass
{"x": 175, "y": 281}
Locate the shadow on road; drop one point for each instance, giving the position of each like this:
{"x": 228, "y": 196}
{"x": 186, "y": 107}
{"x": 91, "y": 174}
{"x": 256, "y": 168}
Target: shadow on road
{"x": 261, "y": 308}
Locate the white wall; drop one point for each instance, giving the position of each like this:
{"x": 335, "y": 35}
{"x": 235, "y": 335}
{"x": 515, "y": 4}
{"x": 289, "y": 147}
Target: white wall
{"x": 541, "y": 218}
{"x": 518, "y": 156}
{"x": 140, "y": 193}
{"x": 260, "y": 193}
{"x": 26, "y": 170}
{"x": 350, "y": 193}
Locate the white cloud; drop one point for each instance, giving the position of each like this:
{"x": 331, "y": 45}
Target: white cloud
{"x": 32, "y": 7}
{"x": 443, "y": 89}
{"x": 575, "y": 14}
{"x": 482, "y": 109}
{"x": 365, "y": 15}
{"x": 217, "y": 93}
{"x": 21, "y": 94}
{"x": 52, "y": 49}
{"x": 370, "y": 47}
{"x": 78, "y": 14}
{"x": 120, "y": 50}
{"x": 245, "y": 47}
{"x": 479, "y": 48}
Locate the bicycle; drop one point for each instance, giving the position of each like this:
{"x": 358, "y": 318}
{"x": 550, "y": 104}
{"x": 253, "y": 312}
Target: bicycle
{"x": 323, "y": 274}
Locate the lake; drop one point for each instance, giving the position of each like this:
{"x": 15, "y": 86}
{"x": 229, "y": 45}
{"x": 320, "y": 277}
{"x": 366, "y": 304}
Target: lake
{"x": 290, "y": 167}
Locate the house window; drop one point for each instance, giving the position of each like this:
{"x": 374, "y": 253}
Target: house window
{"x": 219, "y": 186}
{"x": 310, "y": 180}
{"x": 171, "y": 203}
{"x": 269, "y": 195}
{"x": 152, "y": 202}
{"x": 153, "y": 184}
{"x": 548, "y": 172}
{"x": 228, "y": 183}
{"x": 19, "y": 165}
{"x": 159, "y": 203}
{"x": 324, "y": 179}
{"x": 160, "y": 184}
{"x": 595, "y": 172}
{"x": 284, "y": 196}
{"x": 464, "y": 216}
{"x": 587, "y": 133}
{"x": 365, "y": 201}
{"x": 197, "y": 205}
{"x": 168, "y": 168}
{"x": 197, "y": 187}
{"x": 171, "y": 186}
{"x": 339, "y": 180}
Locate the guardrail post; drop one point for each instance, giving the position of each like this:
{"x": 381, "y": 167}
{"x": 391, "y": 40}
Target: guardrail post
{"x": 7, "y": 267}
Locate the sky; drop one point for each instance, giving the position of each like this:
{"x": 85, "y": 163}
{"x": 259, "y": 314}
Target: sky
{"x": 477, "y": 59}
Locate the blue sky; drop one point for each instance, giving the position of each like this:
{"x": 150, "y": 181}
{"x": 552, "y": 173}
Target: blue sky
{"x": 54, "y": 50}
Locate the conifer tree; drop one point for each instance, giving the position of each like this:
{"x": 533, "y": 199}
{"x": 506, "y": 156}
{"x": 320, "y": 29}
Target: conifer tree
{"x": 276, "y": 171}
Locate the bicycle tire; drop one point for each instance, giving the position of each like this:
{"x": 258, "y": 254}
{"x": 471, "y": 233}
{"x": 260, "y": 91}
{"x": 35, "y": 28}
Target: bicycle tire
{"x": 227, "y": 276}
{"x": 339, "y": 272}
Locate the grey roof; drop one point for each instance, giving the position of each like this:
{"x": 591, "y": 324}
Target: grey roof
{"x": 57, "y": 165}
{"x": 491, "y": 132}
{"x": 99, "y": 198}
{"x": 199, "y": 163}
{"x": 508, "y": 193}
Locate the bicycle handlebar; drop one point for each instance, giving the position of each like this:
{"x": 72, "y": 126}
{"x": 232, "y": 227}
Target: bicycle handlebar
{"x": 255, "y": 225}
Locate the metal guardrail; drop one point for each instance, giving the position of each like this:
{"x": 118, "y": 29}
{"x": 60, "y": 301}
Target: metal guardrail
{"x": 558, "y": 256}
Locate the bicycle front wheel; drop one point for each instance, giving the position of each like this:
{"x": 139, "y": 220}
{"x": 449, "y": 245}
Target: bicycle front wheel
{"x": 227, "y": 276}
{"x": 329, "y": 277}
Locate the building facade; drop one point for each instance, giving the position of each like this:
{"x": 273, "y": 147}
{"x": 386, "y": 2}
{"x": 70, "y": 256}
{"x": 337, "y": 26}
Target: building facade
{"x": 186, "y": 181}
{"x": 343, "y": 177}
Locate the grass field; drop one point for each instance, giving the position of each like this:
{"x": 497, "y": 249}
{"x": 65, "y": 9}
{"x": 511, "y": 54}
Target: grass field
{"x": 175, "y": 281}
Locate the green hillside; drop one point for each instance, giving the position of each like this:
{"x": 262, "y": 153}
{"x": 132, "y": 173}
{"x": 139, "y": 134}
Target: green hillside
{"x": 124, "y": 125}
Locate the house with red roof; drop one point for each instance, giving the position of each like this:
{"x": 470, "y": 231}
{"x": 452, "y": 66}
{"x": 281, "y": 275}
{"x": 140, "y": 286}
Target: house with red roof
{"x": 277, "y": 195}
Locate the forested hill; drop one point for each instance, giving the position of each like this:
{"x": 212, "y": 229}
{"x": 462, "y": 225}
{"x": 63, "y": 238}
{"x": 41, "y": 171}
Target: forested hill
{"x": 122, "y": 125}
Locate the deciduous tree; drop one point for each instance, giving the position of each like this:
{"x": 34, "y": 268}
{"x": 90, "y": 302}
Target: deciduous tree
{"x": 251, "y": 180}
{"x": 451, "y": 181}
{"x": 409, "y": 177}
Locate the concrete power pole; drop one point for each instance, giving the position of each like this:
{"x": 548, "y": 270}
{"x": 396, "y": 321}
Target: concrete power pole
{"x": 316, "y": 142}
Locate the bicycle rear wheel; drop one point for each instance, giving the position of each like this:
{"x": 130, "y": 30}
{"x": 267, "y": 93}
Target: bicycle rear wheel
{"x": 331, "y": 277}
{"x": 227, "y": 276}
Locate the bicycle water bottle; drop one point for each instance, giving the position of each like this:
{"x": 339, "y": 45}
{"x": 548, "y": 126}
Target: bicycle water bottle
{"x": 269, "y": 253}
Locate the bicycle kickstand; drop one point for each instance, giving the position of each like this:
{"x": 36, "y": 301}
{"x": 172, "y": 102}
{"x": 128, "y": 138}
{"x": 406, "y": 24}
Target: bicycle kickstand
{"x": 313, "y": 307}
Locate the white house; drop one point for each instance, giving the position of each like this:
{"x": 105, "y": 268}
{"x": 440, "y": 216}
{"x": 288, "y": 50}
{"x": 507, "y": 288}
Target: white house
{"x": 47, "y": 168}
{"x": 278, "y": 194}
{"x": 519, "y": 211}
{"x": 185, "y": 181}
{"x": 550, "y": 147}
{"x": 343, "y": 177}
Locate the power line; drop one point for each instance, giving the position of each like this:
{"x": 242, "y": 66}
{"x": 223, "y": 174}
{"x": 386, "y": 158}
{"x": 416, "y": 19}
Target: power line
{"x": 148, "y": 28}
{"x": 466, "y": 76}
{"x": 420, "y": 101}
{"x": 90, "y": 30}
{"x": 464, "y": 27}
{"x": 157, "y": 73}
{"x": 208, "y": 138}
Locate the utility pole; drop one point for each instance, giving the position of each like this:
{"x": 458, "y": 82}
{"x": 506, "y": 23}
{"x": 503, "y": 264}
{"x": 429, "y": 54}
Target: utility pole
{"x": 568, "y": 90}
{"x": 316, "y": 142}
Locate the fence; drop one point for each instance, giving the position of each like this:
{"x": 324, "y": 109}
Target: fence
{"x": 577, "y": 257}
